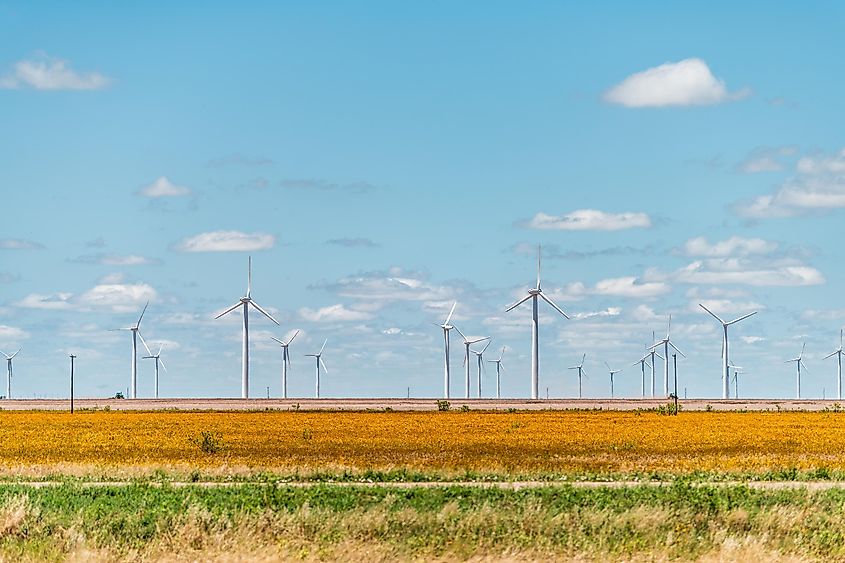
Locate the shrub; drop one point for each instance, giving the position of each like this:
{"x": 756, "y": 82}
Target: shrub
{"x": 208, "y": 442}
{"x": 443, "y": 405}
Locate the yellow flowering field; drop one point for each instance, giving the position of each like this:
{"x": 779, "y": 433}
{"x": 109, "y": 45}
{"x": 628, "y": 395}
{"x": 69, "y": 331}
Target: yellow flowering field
{"x": 523, "y": 442}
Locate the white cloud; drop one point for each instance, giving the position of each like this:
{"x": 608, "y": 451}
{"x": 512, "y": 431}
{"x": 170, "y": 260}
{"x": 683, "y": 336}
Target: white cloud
{"x": 733, "y": 246}
{"x": 115, "y": 260}
{"x": 226, "y": 241}
{"x": 53, "y": 301}
{"x": 630, "y": 286}
{"x": 725, "y": 307}
{"x": 393, "y": 285}
{"x": 118, "y": 297}
{"x": 609, "y": 312}
{"x": 737, "y": 271}
{"x": 589, "y": 220}
{"x": 752, "y": 339}
{"x": 47, "y": 73}
{"x": 333, "y": 313}
{"x": 12, "y": 334}
{"x": 818, "y": 186}
{"x": 162, "y": 187}
{"x": 766, "y": 159}
{"x": 18, "y": 244}
{"x": 685, "y": 83}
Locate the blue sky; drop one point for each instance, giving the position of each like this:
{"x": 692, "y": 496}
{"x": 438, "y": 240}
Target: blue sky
{"x": 379, "y": 160}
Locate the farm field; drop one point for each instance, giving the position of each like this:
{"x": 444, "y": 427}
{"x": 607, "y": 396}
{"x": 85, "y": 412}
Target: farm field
{"x": 544, "y": 445}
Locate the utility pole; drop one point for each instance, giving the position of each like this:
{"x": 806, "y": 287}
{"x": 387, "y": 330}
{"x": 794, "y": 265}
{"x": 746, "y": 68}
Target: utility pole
{"x": 72, "y": 357}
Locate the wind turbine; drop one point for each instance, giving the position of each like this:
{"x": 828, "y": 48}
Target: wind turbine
{"x": 837, "y": 352}
{"x": 157, "y": 358}
{"x": 612, "y": 373}
{"x": 9, "y": 372}
{"x": 643, "y": 363}
{"x": 581, "y": 371}
{"x": 446, "y": 328}
{"x": 726, "y": 374}
{"x": 479, "y": 357}
{"x": 533, "y": 294}
{"x": 736, "y": 369}
{"x": 285, "y": 361}
{"x": 467, "y": 343}
{"x": 666, "y": 342}
{"x": 653, "y": 353}
{"x": 499, "y": 369}
{"x": 798, "y": 362}
{"x": 245, "y": 302}
{"x": 319, "y": 359}
{"x": 136, "y": 334}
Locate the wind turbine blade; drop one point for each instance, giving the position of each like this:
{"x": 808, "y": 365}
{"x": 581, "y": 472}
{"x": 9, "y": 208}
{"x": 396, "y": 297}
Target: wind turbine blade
{"x": 742, "y": 318}
{"x": 608, "y": 366}
{"x": 277, "y": 340}
{"x": 502, "y": 354}
{"x": 294, "y": 336}
{"x": 322, "y": 363}
{"x": 249, "y": 277}
{"x": 160, "y": 348}
{"x": 553, "y": 304}
{"x": 584, "y": 357}
{"x": 676, "y": 349}
{"x": 324, "y": 345}
{"x": 478, "y": 340}
{"x": 16, "y": 353}
{"x": 229, "y": 310}
{"x": 145, "y": 344}
{"x": 162, "y": 364}
{"x": 803, "y": 345}
{"x": 262, "y": 311}
{"x": 518, "y": 303}
{"x": 461, "y": 333}
{"x": 669, "y": 327}
{"x": 831, "y": 354}
{"x": 142, "y": 314}
{"x": 539, "y": 255}
{"x": 449, "y": 316}
{"x": 489, "y": 341}
{"x": 714, "y": 315}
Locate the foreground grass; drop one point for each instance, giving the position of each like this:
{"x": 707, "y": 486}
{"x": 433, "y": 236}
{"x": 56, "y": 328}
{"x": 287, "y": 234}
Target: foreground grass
{"x": 143, "y": 522}
{"x": 546, "y": 444}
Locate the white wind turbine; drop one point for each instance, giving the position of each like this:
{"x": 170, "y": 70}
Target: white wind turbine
{"x": 653, "y": 353}
{"x": 9, "y": 372}
{"x": 581, "y": 371}
{"x": 499, "y": 369}
{"x": 467, "y": 343}
{"x": 136, "y": 334}
{"x": 798, "y": 362}
{"x": 446, "y": 328}
{"x": 737, "y": 370}
{"x": 285, "y": 362}
{"x": 726, "y": 374}
{"x": 533, "y": 294}
{"x": 666, "y": 342}
{"x": 838, "y": 352}
{"x": 612, "y": 373}
{"x": 643, "y": 363}
{"x": 245, "y": 302}
{"x": 479, "y": 357}
{"x": 157, "y": 358}
{"x": 319, "y": 359}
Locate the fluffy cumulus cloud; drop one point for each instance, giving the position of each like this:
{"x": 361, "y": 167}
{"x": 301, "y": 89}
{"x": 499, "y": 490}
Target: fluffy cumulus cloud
{"x": 333, "y": 313}
{"x": 117, "y": 297}
{"x": 393, "y": 285}
{"x": 47, "y": 73}
{"x": 631, "y": 287}
{"x": 818, "y": 185}
{"x": 12, "y": 334}
{"x": 733, "y": 246}
{"x": 589, "y": 220}
{"x": 685, "y": 83}
{"x": 163, "y": 187}
{"x": 745, "y": 272}
{"x": 226, "y": 241}
{"x": 53, "y": 301}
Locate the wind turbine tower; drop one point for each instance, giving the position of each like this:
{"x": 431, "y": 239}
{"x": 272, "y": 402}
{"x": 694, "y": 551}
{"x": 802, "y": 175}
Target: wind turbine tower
{"x": 285, "y": 362}
{"x": 581, "y": 371}
{"x": 533, "y": 294}
{"x": 157, "y": 358}
{"x": 666, "y": 342}
{"x": 798, "y": 362}
{"x": 446, "y": 328}
{"x": 612, "y": 373}
{"x": 837, "y": 353}
{"x": 9, "y": 372}
{"x": 643, "y": 363}
{"x": 319, "y": 359}
{"x": 499, "y": 369}
{"x": 467, "y": 343}
{"x": 245, "y": 302}
{"x": 136, "y": 334}
{"x": 737, "y": 370}
{"x": 479, "y": 357}
{"x": 726, "y": 373}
